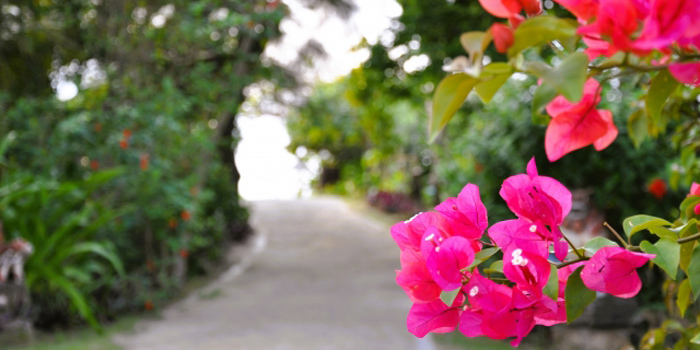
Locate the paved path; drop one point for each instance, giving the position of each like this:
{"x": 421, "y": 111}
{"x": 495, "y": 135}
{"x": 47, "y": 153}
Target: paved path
{"x": 324, "y": 281}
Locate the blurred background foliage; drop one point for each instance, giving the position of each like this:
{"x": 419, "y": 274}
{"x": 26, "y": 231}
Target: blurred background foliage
{"x": 118, "y": 163}
{"x": 370, "y": 130}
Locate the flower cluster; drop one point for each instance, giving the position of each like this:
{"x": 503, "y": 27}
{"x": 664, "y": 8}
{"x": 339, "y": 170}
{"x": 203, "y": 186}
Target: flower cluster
{"x": 441, "y": 252}
{"x": 666, "y": 28}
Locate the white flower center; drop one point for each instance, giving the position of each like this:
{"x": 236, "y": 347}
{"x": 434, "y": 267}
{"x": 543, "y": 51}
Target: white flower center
{"x": 517, "y": 252}
{"x": 533, "y": 228}
{"x": 474, "y": 291}
{"x": 437, "y": 249}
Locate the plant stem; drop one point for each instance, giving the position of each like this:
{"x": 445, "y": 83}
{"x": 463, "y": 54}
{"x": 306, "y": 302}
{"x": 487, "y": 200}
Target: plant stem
{"x": 624, "y": 243}
{"x": 572, "y": 247}
{"x": 688, "y": 239}
{"x": 572, "y": 262}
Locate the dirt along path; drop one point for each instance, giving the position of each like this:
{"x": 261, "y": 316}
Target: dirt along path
{"x": 325, "y": 280}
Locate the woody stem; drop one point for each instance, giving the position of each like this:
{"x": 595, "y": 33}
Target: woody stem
{"x": 624, "y": 243}
{"x": 572, "y": 262}
{"x": 572, "y": 247}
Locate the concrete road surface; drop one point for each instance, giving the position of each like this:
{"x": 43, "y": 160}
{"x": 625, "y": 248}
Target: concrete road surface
{"x": 325, "y": 280}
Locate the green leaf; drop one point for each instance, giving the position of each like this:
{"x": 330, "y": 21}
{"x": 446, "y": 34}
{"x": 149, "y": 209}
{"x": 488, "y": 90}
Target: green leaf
{"x": 544, "y": 94}
{"x": 449, "y": 96}
{"x": 567, "y": 78}
{"x": 483, "y": 255}
{"x": 475, "y": 43}
{"x": 493, "y": 77}
{"x": 688, "y": 205}
{"x": 637, "y": 127}
{"x": 577, "y": 296}
{"x": 687, "y": 248}
{"x": 662, "y": 86}
{"x": 596, "y": 243}
{"x": 551, "y": 289}
{"x": 694, "y": 272}
{"x": 449, "y": 297}
{"x": 668, "y": 255}
{"x": 539, "y": 31}
{"x": 636, "y": 223}
{"x": 683, "y": 299}
{"x": 496, "y": 267}
{"x": 696, "y": 339}
{"x": 664, "y": 233}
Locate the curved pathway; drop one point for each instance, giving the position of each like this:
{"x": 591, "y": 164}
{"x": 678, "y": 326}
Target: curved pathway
{"x": 324, "y": 281}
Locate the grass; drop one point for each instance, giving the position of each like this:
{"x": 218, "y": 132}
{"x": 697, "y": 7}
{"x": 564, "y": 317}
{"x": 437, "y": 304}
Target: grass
{"x": 80, "y": 339}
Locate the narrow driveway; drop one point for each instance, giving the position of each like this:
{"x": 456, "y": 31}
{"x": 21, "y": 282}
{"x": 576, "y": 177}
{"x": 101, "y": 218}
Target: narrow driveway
{"x": 324, "y": 281}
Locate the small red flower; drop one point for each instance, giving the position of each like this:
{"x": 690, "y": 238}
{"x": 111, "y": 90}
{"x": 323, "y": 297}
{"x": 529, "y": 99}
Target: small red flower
{"x": 657, "y": 188}
{"x": 148, "y": 305}
{"x": 94, "y": 165}
{"x": 172, "y": 223}
{"x": 184, "y": 253}
{"x": 123, "y": 143}
{"x": 185, "y": 215}
{"x": 127, "y": 134}
{"x": 143, "y": 161}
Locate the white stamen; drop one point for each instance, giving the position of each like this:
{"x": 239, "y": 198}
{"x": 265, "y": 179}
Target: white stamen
{"x": 517, "y": 252}
{"x": 533, "y": 228}
{"x": 437, "y": 249}
{"x": 429, "y": 237}
{"x": 517, "y": 260}
{"x": 474, "y": 291}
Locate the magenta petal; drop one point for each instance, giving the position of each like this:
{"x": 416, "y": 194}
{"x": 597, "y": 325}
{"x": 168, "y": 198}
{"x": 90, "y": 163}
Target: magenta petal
{"x": 613, "y": 270}
{"x": 433, "y": 317}
{"x": 468, "y": 211}
{"x": 686, "y": 73}
{"x": 558, "y": 192}
{"x": 448, "y": 261}
{"x": 532, "y": 168}
{"x": 418, "y": 284}
{"x": 469, "y": 202}
{"x": 610, "y": 136}
{"x": 470, "y": 324}
{"x": 572, "y": 130}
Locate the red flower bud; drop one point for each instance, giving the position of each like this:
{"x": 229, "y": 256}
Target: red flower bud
{"x": 657, "y": 188}
{"x": 185, "y": 215}
{"x": 502, "y": 37}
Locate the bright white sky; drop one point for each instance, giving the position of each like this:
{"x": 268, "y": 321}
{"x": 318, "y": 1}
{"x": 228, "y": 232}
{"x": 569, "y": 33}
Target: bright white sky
{"x": 268, "y": 170}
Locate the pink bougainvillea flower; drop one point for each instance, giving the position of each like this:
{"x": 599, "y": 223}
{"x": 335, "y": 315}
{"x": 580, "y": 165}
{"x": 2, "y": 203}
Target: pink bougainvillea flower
{"x": 668, "y": 21}
{"x": 447, "y": 261}
{"x": 577, "y": 125}
{"x": 584, "y": 10}
{"x": 467, "y": 210}
{"x": 536, "y": 198}
{"x": 517, "y": 233}
{"x": 617, "y": 20}
{"x": 434, "y": 317}
{"x": 694, "y": 189}
{"x": 686, "y": 73}
{"x": 492, "y": 312}
{"x": 416, "y": 281}
{"x": 527, "y": 270}
{"x": 613, "y": 270}
{"x": 509, "y": 8}
{"x": 408, "y": 234}
{"x": 502, "y": 37}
